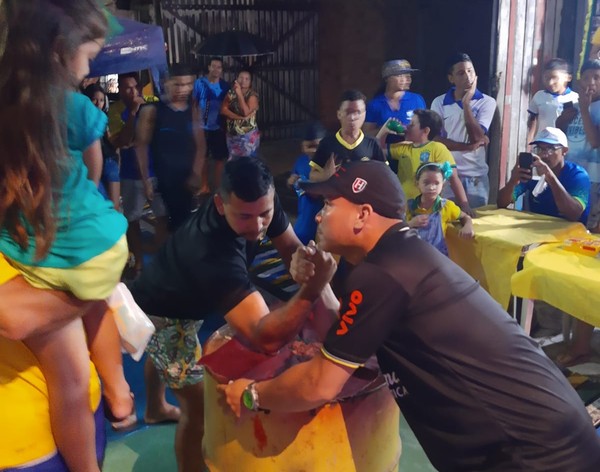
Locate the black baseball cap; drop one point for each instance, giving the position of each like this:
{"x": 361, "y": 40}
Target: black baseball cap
{"x": 371, "y": 182}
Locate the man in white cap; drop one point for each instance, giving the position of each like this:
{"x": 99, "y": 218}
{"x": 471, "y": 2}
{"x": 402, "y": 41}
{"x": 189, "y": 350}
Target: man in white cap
{"x": 565, "y": 190}
{"x": 395, "y": 101}
{"x": 478, "y": 392}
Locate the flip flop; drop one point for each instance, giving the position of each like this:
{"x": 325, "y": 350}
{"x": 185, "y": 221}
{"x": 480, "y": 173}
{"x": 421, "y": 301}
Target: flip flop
{"x": 122, "y": 424}
{"x": 568, "y": 359}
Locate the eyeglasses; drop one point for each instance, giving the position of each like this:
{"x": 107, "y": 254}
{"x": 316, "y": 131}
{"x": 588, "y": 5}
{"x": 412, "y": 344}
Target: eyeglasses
{"x": 546, "y": 150}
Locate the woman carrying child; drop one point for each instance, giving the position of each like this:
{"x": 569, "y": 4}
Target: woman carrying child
{"x": 55, "y": 227}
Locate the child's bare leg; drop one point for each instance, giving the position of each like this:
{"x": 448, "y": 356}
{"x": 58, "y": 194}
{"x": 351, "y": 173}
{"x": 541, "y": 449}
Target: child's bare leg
{"x": 64, "y": 360}
{"x": 105, "y": 351}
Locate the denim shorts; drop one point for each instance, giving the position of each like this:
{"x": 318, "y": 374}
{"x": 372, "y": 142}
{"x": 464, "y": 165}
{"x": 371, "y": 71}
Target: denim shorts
{"x": 476, "y": 188}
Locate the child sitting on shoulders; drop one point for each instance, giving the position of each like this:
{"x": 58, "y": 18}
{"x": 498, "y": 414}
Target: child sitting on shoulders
{"x": 429, "y": 213}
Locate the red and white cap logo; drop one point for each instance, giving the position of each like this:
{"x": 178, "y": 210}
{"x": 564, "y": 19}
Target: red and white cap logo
{"x": 359, "y": 185}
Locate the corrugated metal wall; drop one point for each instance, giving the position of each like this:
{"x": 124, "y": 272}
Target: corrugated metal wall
{"x": 287, "y": 81}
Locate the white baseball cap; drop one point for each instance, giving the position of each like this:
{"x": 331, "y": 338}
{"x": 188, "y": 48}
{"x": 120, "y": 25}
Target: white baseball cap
{"x": 551, "y": 135}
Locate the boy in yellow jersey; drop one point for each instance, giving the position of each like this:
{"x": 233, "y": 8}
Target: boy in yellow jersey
{"x": 419, "y": 148}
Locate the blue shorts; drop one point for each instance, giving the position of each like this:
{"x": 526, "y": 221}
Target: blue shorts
{"x": 110, "y": 171}
{"x": 56, "y": 462}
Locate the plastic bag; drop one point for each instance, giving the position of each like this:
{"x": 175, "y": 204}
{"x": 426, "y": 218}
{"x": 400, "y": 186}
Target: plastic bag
{"x": 134, "y": 326}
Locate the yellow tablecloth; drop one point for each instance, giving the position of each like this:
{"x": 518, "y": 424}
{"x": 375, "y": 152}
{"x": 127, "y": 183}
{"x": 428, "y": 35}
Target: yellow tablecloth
{"x": 500, "y": 235}
{"x": 564, "y": 279}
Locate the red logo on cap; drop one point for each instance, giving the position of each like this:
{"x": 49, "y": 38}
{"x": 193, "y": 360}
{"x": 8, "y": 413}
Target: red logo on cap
{"x": 359, "y": 185}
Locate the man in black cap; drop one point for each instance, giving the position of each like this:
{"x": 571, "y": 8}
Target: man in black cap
{"x": 478, "y": 393}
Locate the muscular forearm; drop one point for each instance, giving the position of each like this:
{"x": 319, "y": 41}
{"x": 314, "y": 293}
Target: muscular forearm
{"x": 297, "y": 389}
{"x": 569, "y": 208}
{"x": 26, "y": 311}
{"x": 281, "y": 325}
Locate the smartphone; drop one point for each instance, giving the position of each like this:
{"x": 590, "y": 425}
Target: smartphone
{"x": 567, "y": 105}
{"x": 525, "y": 160}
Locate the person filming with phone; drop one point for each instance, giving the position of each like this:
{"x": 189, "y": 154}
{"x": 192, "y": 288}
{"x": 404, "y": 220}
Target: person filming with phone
{"x": 563, "y": 187}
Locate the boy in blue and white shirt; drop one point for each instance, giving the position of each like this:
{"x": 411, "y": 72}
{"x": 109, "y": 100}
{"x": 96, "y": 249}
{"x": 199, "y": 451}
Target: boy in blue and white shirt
{"x": 467, "y": 114}
{"x": 582, "y": 127}
{"x": 547, "y": 105}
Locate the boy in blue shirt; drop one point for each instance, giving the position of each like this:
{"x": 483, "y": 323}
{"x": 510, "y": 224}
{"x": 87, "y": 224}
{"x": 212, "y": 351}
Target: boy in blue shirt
{"x": 547, "y": 105}
{"x": 308, "y": 207}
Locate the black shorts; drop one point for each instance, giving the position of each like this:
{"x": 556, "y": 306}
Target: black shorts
{"x": 216, "y": 145}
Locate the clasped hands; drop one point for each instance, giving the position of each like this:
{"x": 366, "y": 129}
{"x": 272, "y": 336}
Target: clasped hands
{"x": 312, "y": 267}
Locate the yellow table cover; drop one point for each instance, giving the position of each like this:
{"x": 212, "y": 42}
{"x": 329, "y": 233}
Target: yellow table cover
{"x": 565, "y": 279}
{"x": 500, "y": 234}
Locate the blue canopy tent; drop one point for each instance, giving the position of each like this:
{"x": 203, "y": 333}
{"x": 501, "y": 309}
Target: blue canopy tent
{"x": 138, "y": 46}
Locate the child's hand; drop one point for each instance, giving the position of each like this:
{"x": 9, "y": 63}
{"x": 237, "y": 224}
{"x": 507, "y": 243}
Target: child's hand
{"x": 466, "y": 231}
{"x": 292, "y": 179}
{"x": 419, "y": 221}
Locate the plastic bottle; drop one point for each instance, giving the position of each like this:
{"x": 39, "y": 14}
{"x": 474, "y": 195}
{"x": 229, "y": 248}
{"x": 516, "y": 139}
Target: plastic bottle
{"x": 396, "y": 126}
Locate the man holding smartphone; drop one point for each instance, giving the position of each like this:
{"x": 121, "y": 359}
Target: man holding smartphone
{"x": 563, "y": 190}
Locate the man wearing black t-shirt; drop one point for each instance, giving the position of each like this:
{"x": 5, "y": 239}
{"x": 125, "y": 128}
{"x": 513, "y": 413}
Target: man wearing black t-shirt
{"x": 202, "y": 270}
{"x": 477, "y": 392}
{"x": 349, "y": 143}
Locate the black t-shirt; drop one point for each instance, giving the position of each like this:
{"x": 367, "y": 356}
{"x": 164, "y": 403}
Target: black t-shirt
{"x": 202, "y": 269}
{"x": 172, "y": 145}
{"x": 474, "y": 388}
{"x": 365, "y": 148}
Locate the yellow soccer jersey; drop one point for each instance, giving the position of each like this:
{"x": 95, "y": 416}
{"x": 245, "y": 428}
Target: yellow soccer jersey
{"x": 410, "y": 157}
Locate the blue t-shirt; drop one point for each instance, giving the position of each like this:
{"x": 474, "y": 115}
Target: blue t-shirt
{"x": 87, "y": 224}
{"x": 378, "y": 109}
{"x": 308, "y": 207}
{"x": 580, "y": 150}
{"x": 576, "y": 182}
{"x": 210, "y": 96}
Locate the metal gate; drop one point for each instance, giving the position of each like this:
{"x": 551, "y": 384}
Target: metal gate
{"x": 286, "y": 81}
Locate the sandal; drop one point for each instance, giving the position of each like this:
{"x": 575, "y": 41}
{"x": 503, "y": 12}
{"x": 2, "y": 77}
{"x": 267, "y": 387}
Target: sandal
{"x": 569, "y": 359}
{"x": 121, "y": 424}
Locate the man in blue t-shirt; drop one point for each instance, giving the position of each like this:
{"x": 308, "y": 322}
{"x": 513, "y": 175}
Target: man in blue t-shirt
{"x": 396, "y": 100}
{"x": 563, "y": 189}
{"x": 209, "y": 92}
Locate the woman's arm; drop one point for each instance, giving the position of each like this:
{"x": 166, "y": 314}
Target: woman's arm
{"x": 226, "y": 112}
{"x": 247, "y": 107}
